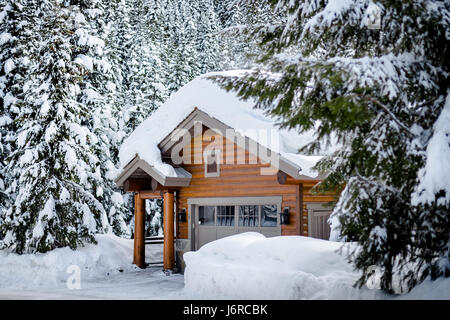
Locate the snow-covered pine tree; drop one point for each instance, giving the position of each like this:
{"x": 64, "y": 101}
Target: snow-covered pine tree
{"x": 237, "y": 19}
{"x": 53, "y": 164}
{"x": 153, "y": 218}
{"x": 97, "y": 93}
{"x": 381, "y": 92}
{"x": 117, "y": 42}
{"x": 183, "y": 57}
{"x": 145, "y": 75}
{"x": 146, "y": 72}
{"x": 207, "y": 37}
{"x": 10, "y": 16}
{"x": 143, "y": 65}
{"x": 17, "y": 45}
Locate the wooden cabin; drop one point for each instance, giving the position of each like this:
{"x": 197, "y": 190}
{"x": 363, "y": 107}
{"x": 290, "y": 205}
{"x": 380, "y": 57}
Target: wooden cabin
{"x": 221, "y": 183}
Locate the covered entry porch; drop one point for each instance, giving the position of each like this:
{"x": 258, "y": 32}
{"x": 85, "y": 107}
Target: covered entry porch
{"x": 147, "y": 183}
{"x": 168, "y": 227}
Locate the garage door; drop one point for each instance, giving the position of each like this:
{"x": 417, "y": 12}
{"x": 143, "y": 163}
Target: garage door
{"x": 213, "y": 222}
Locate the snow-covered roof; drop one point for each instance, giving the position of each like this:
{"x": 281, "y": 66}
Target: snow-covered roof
{"x": 206, "y": 95}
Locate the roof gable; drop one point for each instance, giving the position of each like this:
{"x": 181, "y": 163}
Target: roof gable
{"x": 182, "y": 179}
{"x": 203, "y": 100}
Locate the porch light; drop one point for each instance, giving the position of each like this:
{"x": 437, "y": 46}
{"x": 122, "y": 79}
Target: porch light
{"x": 284, "y": 216}
{"x": 182, "y": 215}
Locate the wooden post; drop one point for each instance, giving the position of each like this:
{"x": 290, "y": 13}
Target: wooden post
{"x": 169, "y": 258}
{"x": 299, "y": 197}
{"x": 139, "y": 231}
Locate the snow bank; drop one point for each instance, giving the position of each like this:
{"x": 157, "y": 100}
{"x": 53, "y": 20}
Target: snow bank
{"x": 110, "y": 256}
{"x": 251, "y": 266}
{"x": 225, "y": 106}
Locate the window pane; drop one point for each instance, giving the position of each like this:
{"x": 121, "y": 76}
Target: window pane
{"x": 248, "y": 216}
{"x": 212, "y": 160}
{"x": 206, "y": 215}
{"x": 225, "y": 216}
{"x": 269, "y": 215}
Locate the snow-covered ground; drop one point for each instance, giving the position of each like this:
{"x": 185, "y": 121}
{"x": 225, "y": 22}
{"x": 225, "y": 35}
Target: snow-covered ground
{"x": 150, "y": 283}
{"x": 245, "y": 266}
{"x": 105, "y": 270}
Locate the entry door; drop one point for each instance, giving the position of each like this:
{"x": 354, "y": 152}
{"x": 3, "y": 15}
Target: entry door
{"x": 318, "y": 226}
{"x": 218, "y": 221}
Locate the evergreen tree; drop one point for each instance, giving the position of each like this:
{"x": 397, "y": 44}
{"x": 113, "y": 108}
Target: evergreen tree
{"x": 381, "y": 93}
{"x": 10, "y": 31}
{"x": 184, "y": 65}
{"x": 207, "y": 37}
{"x": 98, "y": 93}
{"x": 52, "y": 163}
{"x": 237, "y": 20}
{"x": 144, "y": 81}
{"x": 84, "y": 74}
{"x": 153, "y": 218}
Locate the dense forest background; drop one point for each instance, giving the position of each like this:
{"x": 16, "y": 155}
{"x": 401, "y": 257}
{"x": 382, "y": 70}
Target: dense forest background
{"x": 78, "y": 77}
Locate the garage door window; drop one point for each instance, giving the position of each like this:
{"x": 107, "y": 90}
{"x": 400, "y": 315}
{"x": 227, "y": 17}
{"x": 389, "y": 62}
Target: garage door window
{"x": 206, "y": 215}
{"x": 225, "y": 216}
{"x": 248, "y": 216}
{"x": 269, "y": 215}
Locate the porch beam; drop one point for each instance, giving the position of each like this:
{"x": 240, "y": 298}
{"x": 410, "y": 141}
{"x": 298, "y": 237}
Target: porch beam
{"x": 168, "y": 250}
{"x": 148, "y": 194}
{"x": 136, "y": 185}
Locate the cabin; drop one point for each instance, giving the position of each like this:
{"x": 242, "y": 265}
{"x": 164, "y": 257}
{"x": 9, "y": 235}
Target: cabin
{"x": 221, "y": 167}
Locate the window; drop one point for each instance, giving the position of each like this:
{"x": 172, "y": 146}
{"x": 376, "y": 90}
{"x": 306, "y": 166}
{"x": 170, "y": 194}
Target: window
{"x": 225, "y": 216}
{"x": 249, "y": 216}
{"x": 269, "y": 215}
{"x": 239, "y": 216}
{"x": 212, "y": 163}
{"x": 206, "y": 215}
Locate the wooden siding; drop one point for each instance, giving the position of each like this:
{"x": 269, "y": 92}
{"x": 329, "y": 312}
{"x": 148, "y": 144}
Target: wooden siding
{"x": 309, "y": 197}
{"x": 243, "y": 180}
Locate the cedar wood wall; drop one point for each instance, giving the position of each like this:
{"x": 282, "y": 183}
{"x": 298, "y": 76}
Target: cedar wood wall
{"x": 244, "y": 180}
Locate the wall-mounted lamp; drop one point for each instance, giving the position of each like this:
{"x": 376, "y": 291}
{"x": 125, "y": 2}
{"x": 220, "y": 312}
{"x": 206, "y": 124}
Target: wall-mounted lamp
{"x": 182, "y": 215}
{"x": 284, "y": 216}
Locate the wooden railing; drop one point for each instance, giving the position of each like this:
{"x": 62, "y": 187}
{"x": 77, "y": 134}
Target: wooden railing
{"x": 154, "y": 240}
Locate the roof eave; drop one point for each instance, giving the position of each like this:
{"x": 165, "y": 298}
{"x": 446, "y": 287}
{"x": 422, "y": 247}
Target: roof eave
{"x": 165, "y": 181}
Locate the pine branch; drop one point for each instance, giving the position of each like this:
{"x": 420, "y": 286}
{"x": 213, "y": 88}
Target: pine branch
{"x": 392, "y": 115}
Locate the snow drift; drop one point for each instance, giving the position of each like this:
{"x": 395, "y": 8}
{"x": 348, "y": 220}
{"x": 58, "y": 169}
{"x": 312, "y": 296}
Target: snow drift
{"x": 251, "y": 266}
{"x": 110, "y": 256}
